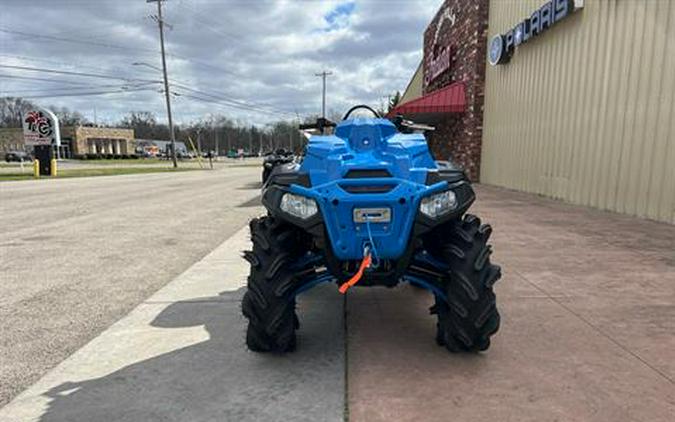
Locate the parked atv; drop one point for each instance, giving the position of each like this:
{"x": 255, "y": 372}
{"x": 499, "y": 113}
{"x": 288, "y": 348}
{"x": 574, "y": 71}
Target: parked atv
{"x": 369, "y": 205}
{"x": 280, "y": 156}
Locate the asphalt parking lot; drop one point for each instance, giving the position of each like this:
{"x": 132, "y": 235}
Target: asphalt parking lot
{"x": 588, "y": 334}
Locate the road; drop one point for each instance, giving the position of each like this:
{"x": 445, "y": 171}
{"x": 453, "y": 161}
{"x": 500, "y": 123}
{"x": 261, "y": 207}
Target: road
{"x": 587, "y": 300}
{"x": 78, "y": 254}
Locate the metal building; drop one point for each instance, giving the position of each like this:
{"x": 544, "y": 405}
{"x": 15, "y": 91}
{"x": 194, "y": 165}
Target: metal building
{"x": 585, "y": 111}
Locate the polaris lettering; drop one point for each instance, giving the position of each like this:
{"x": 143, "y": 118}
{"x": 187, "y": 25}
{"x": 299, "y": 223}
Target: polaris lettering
{"x": 502, "y": 46}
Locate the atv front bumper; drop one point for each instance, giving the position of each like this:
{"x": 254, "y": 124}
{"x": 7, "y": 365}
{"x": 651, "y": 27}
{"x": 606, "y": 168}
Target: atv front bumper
{"x": 341, "y": 202}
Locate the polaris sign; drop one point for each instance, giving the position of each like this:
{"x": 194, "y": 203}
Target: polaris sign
{"x": 502, "y": 46}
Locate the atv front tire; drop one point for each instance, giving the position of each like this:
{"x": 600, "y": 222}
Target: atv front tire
{"x": 268, "y": 303}
{"x": 470, "y": 317}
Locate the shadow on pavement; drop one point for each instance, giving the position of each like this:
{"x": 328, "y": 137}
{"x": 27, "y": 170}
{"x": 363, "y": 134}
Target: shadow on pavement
{"x": 219, "y": 379}
{"x": 251, "y": 186}
{"x": 253, "y": 202}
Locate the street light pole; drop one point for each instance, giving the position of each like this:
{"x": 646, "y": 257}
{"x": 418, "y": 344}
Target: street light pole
{"x": 167, "y": 94}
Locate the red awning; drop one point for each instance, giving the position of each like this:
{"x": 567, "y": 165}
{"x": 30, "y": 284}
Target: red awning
{"x": 450, "y": 99}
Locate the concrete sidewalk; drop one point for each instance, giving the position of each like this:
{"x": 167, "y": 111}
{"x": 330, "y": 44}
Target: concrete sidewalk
{"x": 180, "y": 356}
{"x": 588, "y": 326}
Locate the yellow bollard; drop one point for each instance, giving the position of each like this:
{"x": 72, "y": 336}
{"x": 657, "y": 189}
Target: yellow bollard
{"x": 36, "y": 168}
{"x": 52, "y": 168}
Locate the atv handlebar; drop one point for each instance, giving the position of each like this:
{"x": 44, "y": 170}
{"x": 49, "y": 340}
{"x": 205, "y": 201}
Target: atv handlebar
{"x": 320, "y": 124}
{"x": 351, "y": 110}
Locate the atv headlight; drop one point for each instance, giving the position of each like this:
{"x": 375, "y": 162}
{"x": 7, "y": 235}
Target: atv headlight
{"x": 298, "y": 206}
{"x": 441, "y": 203}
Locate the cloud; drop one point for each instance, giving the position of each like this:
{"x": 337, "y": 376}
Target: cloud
{"x": 261, "y": 52}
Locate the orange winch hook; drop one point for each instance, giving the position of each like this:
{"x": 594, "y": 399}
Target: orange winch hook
{"x": 367, "y": 259}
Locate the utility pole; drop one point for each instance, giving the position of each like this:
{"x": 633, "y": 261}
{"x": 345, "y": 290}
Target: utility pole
{"x": 250, "y": 140}
{"x": 199, "y": 141}
{"x": 160, "y": 22}
{"x": 323, "y": 97}
{"x": 261, "y": 146}
{"x": 215, "y": 135}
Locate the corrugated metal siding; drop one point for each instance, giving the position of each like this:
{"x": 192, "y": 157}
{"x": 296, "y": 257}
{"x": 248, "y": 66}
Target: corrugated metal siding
{"x": 586, "y": 111}
{"x": 414, "y": 89}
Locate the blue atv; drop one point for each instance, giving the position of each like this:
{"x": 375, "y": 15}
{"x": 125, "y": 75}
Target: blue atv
{"x": 369, "y": 205}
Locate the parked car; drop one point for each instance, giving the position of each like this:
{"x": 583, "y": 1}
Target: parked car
{"x": 18, "y": 156}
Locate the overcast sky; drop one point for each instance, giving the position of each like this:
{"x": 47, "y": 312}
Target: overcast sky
{"x": 259, "y": 52}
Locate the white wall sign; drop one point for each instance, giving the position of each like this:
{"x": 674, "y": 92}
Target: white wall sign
{"x": 438, "y": 59}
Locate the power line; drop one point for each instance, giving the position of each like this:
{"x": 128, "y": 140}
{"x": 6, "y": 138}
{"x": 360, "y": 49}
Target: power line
{"x": 208, "y": 24}
{"x": 234, "y": 102}
{"x": 66, "y": 72}
{"x": 191, "y": 61}
{"x": 227, "y": 105}
{"x": 77, "y": 41}
{"x": 84, "y": 94}
{"x": 115, "y": 46}
{"x": 221, "y": 97}
{"x": 81, "y": 74}
{"x": 229, "y": 96}
{"x": 80, "y": 87}
{"x": 42, "y": 61}
{"x": 97, "y": 33}
{"x": 28, "y": 78}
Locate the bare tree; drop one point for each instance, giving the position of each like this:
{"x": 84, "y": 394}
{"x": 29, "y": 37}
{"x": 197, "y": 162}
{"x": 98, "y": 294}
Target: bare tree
{"x": 69, "y": 118}
{"x": 12, "y": 110}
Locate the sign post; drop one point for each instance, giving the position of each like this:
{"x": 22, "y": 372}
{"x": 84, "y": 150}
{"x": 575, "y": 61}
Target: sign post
{"x": 41, "y": 131}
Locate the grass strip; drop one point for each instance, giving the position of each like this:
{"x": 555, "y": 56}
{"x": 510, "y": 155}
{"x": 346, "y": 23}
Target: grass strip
{"x": 89, "y": 172}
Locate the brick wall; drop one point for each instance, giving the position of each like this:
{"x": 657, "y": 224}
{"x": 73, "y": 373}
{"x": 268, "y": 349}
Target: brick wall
{"x": 459, "y": 136}
{"x": 12, "y": 138}
{"x": 84, "y": 133}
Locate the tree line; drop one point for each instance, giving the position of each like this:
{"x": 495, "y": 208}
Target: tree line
{"x": 209, "y": 133}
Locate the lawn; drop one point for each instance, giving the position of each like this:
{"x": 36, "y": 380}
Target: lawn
{"x": 140, "y": 161}
{"x": 115, "y": 171}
